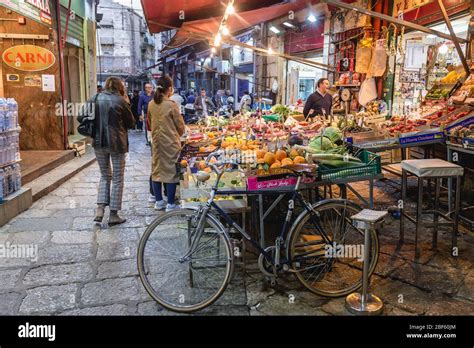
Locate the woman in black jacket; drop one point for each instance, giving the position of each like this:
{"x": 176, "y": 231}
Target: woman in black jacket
{"x": 113, "y": 118}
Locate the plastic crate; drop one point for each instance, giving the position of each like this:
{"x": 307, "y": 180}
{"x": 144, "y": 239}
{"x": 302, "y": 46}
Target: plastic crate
{"x": 371, "y": 166}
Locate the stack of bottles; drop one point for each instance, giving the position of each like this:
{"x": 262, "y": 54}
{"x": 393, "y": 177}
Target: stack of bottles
{"x": 10, "y": 174}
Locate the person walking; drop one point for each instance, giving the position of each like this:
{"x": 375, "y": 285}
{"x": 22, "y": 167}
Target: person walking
{"x": 178, "y": 99}
{"x": 245, "y": 102}
{"x": 138, "y": 117}
{"x": 113, "y": 117}
{"x": 143, "y": 102}
{"x": 203, "y": 104}
{"x": 167, "y": 126}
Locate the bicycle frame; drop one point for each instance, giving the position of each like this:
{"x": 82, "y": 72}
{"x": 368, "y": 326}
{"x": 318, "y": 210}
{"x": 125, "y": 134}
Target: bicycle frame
{"x": 282, "y": 237}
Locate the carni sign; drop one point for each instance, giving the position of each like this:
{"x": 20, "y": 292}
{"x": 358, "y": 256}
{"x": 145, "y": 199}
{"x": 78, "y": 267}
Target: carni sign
{"x": 28, "y": 58}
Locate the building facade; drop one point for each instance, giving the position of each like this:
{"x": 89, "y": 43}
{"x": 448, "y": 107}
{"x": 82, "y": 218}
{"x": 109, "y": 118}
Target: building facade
{"x": 125, "y": 47}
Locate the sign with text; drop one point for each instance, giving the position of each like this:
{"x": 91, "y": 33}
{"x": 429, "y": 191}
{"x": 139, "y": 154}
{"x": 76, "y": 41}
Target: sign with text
{"x": 28, "y": 58}
{"x": 37, "y": 10}
{"x": 407, "y": 5}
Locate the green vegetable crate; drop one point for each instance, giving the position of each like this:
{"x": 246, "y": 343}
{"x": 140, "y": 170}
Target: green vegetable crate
{"x": 371, "y": 165}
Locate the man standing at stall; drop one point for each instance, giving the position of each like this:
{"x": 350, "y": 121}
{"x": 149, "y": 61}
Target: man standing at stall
{"x": 320, "y": 102}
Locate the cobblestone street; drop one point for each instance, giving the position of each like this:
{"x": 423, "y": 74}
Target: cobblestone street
{"x": 85, "y": 269}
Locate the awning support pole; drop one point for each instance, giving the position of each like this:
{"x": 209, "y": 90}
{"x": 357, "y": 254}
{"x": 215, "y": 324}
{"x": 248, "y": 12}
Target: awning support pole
{"x": 391, "y": 19}
{"x": 454, "y": 38}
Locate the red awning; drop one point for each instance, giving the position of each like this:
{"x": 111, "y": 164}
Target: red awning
{"x": 170, "y": 12}
{"x": 237, "y": 22}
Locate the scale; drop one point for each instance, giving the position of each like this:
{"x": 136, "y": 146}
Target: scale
{"x": 346, "y": 97}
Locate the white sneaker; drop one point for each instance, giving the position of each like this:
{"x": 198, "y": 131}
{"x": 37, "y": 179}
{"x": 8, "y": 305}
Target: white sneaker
{"x": 160, "y": 205}
{"x": 170, "y": 207}
{"x": 151, "y": 199}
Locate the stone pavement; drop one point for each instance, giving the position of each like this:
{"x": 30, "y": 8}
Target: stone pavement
{"x": 85, "y": 269}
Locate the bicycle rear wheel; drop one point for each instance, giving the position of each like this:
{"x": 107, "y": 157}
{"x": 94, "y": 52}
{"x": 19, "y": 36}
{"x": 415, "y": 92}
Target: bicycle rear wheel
{"x": 179, "y": 283}
{"x": 331, "y": 269}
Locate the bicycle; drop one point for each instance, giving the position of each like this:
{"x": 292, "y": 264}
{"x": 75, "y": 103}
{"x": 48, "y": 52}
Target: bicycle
{"x": 186, "y": 259}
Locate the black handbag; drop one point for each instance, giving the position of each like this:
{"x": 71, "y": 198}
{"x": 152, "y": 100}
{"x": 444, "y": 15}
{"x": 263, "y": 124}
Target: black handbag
{"x": 87, "y": 125}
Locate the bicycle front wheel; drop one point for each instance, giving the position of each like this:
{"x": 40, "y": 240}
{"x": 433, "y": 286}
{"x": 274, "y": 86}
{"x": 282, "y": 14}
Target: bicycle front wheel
{"x": 331, "y": 268}
{"x": 176, "y": 278}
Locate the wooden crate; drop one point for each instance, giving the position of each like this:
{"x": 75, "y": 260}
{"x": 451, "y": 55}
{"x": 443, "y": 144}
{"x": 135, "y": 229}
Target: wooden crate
{"x": 79, "y": 147}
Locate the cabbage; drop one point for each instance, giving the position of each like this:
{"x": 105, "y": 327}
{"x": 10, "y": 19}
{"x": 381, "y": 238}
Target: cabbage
{"x": 323, "y": 145}
{"x": 333, "y": 134}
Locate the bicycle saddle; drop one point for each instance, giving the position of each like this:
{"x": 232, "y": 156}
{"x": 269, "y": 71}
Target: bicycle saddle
{"x": 301, "y": 168}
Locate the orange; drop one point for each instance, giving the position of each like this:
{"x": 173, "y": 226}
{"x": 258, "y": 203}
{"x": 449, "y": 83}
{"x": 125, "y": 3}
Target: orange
{"x": 184, "y": 163}
{"x": 280, "y": 155}
{"x": 299, "y": 160}
{"x": 261, "y": 153}
{"x": 286, "y": 162}
{"x": 269, "y": 158}
{"x": 202, "y": 165}
{"x": 294, "y": 153}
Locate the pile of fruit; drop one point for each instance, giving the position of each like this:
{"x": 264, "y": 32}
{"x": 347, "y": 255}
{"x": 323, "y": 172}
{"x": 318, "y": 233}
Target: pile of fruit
{"x": 351, "y": 126}
{"x": 462, "y": 132}
{"x": 438, "y": 93}
{"x": 280, "y": 110}
{"x": 270, "y": 161}
{"x": 456, "y": 117}
{"x": 398, "y": 124}
{"x": 452, "y": 77}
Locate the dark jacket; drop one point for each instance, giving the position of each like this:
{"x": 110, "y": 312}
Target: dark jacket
{"x": 198, "y": 105}
{"x": 143, "y": 103}
{"x": 113, "y": 117}
{"x": 134, "y": 106}
{"x": 317, "y": 103}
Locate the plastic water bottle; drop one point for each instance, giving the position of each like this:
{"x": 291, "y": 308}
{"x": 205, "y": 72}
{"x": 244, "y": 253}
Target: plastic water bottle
{"x": 3, "y": 111}
{"x": 2, "y": 191}
{"x": 17, "y": 177}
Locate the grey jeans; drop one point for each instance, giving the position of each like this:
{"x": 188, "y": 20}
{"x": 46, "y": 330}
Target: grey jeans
{"x": 110, "y": 174}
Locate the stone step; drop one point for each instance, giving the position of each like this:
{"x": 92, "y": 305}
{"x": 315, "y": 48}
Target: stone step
{"x": 59, "y": 175}
{"x": 37, "y": 163}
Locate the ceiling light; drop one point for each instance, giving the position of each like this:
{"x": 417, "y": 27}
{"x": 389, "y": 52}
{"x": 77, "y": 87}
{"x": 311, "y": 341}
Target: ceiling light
{"x": 274, "y": 29}
{"x": 270, "y": 51}
{"x": 225, "y": 30}
{"x": 217, "y": 40}
{"x": 312, "y": 18}
{"x": 288, "y": 24}
{"x": 230, "y": 9}
{"x": 213, "y": 50}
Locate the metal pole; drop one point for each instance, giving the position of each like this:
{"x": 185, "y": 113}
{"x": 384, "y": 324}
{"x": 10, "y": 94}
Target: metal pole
{"x": 61, "y": 73}
{"x": 454, "y": 38}
{"x": 391, "y": 19}
{"x": 365, "y": 272}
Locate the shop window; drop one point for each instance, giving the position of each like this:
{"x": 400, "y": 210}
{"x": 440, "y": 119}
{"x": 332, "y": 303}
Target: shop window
{"x": 306, "y": 88}
{"x": 415, "y": 55}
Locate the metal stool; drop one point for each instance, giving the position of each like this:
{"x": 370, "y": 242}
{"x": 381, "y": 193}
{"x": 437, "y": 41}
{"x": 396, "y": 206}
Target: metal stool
{"x": 436, "y": 169}
{"x": 365, "y": 303}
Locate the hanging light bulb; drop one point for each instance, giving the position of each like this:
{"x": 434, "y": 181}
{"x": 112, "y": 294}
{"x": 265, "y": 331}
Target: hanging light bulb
{"x": 213, "y": 50}
{"x": 217, "y": 40}
{"x": 230, "y": 9}
{"x": 225, "y": 30}
{"x": 443, "y": 49}
{"x": 270, "y": 51}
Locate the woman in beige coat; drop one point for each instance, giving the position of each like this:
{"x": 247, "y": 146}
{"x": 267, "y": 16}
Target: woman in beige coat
{"x": 167, "y": 126}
